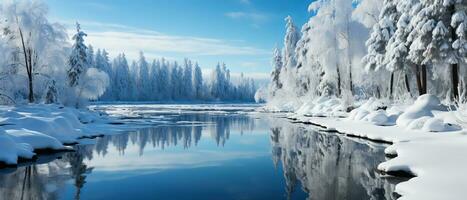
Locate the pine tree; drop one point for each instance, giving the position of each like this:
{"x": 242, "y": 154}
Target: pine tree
{"x": 187, "y": 80}
{"x": 122, "y": 81}
{"x": 163, "y": 81}
{"x": 142, "y": 78}
{"x": 397, "y": 48}
{"x": 91, "y": 57}
{"x": 290, "y": 43}
{"x": 275, "y": 74}
{"x": 458, "y": 22}
{"x": 198, "y": 82}
{"x": 153, "y": 76}
{"x": 78, "y": 61}
{"x": 52, "y": 94}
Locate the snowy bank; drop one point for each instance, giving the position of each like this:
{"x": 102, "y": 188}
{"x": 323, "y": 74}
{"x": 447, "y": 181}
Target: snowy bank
{"x": 30, "y": 128}
{"x": 427, "y": 140}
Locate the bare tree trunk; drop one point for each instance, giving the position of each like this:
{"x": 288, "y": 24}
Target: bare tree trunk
{"x": 378, "y": 92}
{"x": 419, "y": 82}
{"x": 351, "y": 82}
{"x": 454, "y": 67}
{"x": 31, "y": 90}
{"x": 28, "y": 64}
{"x": 424, "y": 79}
{"x": 349, "y": 57}
{"x": 455, "y": 81}
{"x": 407, "y": 83}
{"x": 338, "y": 81}
{"x": 391, "y": 86}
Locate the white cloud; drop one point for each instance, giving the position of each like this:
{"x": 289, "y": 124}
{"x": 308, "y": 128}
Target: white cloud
{"x": 255, "y": 17}
{"x": 160, "y": 43}
{"x": 116, "y": 38}
{"x": 250, "y": 64}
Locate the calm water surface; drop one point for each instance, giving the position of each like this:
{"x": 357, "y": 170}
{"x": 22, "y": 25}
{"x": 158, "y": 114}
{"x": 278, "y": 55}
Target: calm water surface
{"x": 190, "y": 153}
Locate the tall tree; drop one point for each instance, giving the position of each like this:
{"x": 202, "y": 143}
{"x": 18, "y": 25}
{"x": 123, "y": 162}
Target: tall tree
{"x": 187, "y": 79}
{"x": 277, "y": 65}
{"x": 78, "y": 61}
{"x": 142, "y": 79}
{"x": 458, "y": 26}
{"x": 379, "y": 38}
{"x": 198, "y": 82}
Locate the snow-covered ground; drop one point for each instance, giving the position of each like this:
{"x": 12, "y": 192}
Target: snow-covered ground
{"x": 29, "y": 128}
{"x": 428, "y": 139}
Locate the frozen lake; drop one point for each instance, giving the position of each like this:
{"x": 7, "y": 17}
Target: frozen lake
{"x": 205, "y": 152}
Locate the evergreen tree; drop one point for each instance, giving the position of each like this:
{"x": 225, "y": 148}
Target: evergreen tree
{"x": 187, "y": 80}
{"x": 78, "y": 61}
{"x": 198, "y": 82}
{"x": 142, "y": 78}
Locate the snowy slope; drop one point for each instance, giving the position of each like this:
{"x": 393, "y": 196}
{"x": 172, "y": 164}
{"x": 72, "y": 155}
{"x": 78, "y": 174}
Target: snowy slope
{"x": 24, "y": 129}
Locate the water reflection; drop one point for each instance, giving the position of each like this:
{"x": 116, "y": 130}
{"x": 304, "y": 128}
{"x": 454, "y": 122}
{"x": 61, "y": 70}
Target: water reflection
{"x": 47, "y": 181}
{"x": 179, "y": 130}
{"x": 328, "y": 166}
{"x": 310, "y": 164}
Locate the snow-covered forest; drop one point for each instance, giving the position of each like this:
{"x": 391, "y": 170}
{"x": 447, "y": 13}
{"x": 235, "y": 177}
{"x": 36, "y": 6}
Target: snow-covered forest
{"x": 354, "y": 50}
{"x": 163, "y": 80}
{"x": 41, "y": 64}
{"x": 390, "y": 71}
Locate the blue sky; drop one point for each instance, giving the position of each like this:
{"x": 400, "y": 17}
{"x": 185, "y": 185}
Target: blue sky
{"x": 240, "y": 33}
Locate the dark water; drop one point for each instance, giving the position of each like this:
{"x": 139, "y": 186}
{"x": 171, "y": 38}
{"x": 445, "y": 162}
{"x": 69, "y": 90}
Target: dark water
{"x": 207, "y": 155}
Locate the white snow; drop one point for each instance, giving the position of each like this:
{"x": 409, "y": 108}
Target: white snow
{"x": 24, "y": 129}
{"x": 323, "y": 106}
{"x": 12, "y": 150}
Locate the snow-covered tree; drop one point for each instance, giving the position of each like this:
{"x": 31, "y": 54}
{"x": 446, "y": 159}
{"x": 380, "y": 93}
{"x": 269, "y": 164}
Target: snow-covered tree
{"x": 36, "y": 49}
{"x": 457, "y": 19}
{"x": 187, "y": 80}
{"x": 290, "y": 43}
{"x": 380, "y": 35}
{"x": 102, "y": 62}
{"x": 153, "y": 76}
{"x": 164, "y": 81}
{"x": 121, "y": 83}
{"x": 277, "y": 65}
{"x": 78, "y": 61}
{"x": 198, "y": 82}
{"x": 142, "y": 79}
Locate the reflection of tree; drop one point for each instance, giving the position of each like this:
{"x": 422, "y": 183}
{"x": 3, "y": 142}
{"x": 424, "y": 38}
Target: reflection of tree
{"x": 185, "y": 130}
{"x": 78, "y": 169}
{"x": 39, "y": 182}
{"x": 328, "y": 166}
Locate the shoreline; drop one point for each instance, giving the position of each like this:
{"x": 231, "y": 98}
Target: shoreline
{"x": 422, "y": 157}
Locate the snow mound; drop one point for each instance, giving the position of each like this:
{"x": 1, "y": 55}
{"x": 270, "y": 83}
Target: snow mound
{"x": 427, "y": 114}
{"x": 422, "y": 107}
{"x": 12, "y": 150}
{"x": 30, "y": 127}
{"x": 373, "y": 111}
{"x": 322, "y": 107}
{"x": 35, "y": 139}
{"x": 283, "y": 105}
{"x": 378, "y": 117}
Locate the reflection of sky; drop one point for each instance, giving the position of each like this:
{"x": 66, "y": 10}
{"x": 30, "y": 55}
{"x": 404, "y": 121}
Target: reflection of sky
{"x": 236, "y": 179}
{"x": 207, "y": 170}
{"x": 250, "y": 144}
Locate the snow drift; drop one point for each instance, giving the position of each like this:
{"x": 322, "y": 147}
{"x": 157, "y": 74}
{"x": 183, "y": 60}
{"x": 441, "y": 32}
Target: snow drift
{"x": 25, "y": 129}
